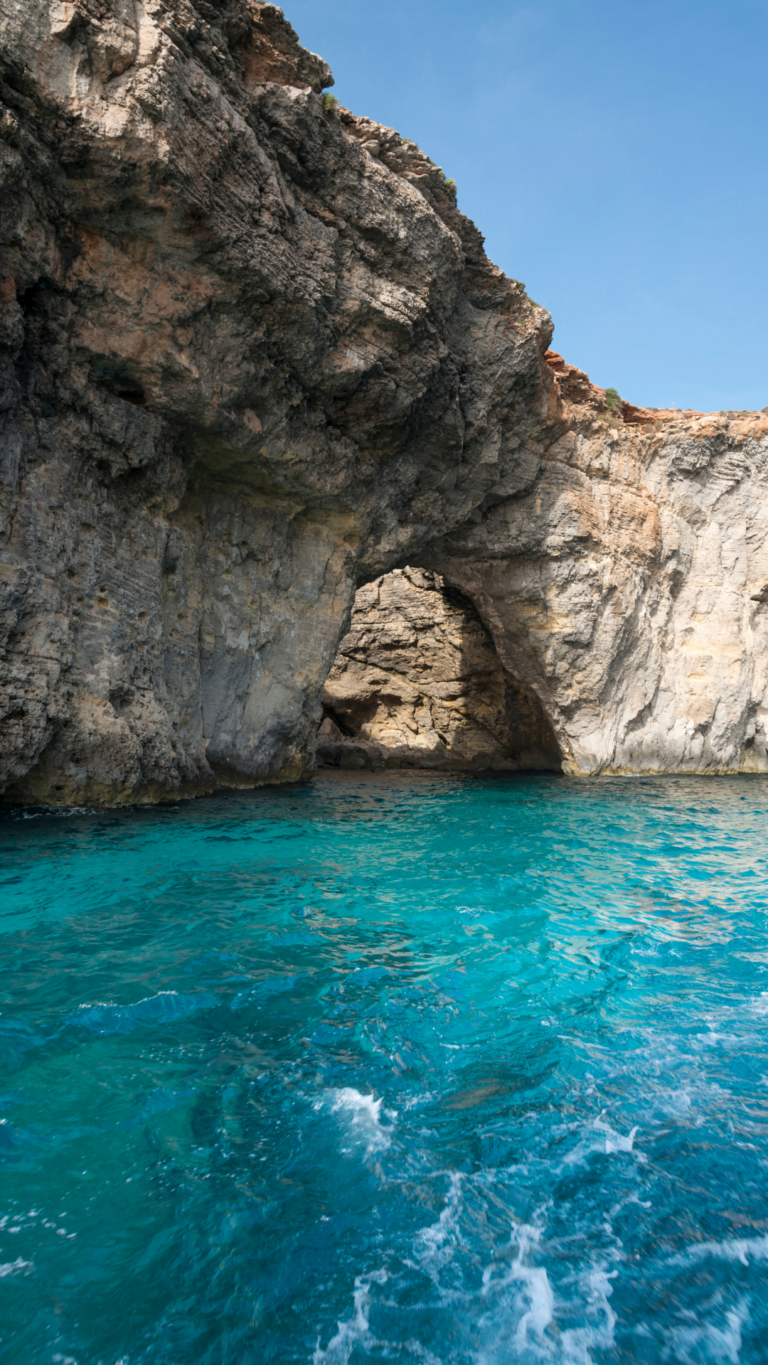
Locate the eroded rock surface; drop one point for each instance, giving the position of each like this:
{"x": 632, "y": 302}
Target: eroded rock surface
{"x": 252, "y": 356}
{"x": 628, "y": 587}
{"x": 245, "y": 363}
{"x": 417, "y": 682}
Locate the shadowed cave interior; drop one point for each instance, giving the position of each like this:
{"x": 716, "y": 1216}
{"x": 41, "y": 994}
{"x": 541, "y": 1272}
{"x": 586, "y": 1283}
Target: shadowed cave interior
{"x": 417, "y": 683}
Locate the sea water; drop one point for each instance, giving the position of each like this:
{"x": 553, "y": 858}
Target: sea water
{"x": 425, "y": 1069}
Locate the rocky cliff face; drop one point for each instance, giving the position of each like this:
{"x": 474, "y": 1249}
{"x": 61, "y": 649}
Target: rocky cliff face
{"x": 628, "y": 585}
{"x": 252, "y": 355}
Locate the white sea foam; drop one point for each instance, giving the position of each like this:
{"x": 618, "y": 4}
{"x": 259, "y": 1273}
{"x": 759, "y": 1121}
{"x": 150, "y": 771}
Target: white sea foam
{"x": 521, "y": 1321}
{"x": 615, "y": 1142}
{"x": 732, "y": 1249}
{"x": 435, "y": 1244}
{"x": 674, "y": 1103}
{"x": 608, "y": 1141}
{"x": 709, "y": 1342}
{"x": 54, "y": 812}
{"x": 515, "y": 1313}
{"x": 536, "y": 1298}
{"x": 14, "y": 1267}
{"x": 354, "y": 1331}
{"x": 361, "y": 1116}
{"x": 414, "y": 1101}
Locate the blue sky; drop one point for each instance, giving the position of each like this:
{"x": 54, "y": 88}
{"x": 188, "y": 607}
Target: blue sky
{"x": 613, "y": 154}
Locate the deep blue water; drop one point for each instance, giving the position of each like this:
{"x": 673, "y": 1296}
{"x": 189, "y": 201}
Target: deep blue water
{"x": 388, "y": 1068}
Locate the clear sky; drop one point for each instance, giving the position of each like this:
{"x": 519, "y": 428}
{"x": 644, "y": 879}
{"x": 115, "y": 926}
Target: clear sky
{"x": 614, "y": 154}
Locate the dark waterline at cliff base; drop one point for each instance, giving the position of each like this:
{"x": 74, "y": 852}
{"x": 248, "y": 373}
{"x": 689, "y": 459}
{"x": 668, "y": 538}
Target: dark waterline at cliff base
{"x": 388, "y": 1068}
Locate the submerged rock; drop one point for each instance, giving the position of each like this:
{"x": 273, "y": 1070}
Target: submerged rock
{"x": 252, "y": 356}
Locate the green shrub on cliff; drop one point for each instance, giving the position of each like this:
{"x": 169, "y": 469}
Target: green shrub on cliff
{"x": 329, "y": 103}
{"x": 612, "y": 399}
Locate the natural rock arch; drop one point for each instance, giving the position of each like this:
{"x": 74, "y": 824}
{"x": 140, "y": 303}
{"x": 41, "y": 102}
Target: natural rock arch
{"x": 417, "y": 682}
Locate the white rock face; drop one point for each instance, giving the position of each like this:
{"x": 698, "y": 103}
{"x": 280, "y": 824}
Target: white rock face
{"x": 629, "y": 588}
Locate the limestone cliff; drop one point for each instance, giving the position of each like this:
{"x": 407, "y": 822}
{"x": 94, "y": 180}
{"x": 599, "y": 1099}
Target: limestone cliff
{"x": 628, "y": 584}
{"x": 251, "y": 356}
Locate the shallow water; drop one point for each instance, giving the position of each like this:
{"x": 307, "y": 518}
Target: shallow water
{"x": 388, "y": 1068}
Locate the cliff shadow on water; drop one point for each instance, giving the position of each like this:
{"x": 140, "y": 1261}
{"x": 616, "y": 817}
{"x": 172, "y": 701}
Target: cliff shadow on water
{"x": 417, "y": 682}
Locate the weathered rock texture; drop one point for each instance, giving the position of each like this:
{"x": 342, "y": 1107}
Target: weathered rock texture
{"x": 417, "y": 682}
{"x": 245, "y": 362}
{"x": 628, "y": 586}
{"x": 252, "y": 355}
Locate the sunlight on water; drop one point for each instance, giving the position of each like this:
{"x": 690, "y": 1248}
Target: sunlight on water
{"x": 443, "y": 1070}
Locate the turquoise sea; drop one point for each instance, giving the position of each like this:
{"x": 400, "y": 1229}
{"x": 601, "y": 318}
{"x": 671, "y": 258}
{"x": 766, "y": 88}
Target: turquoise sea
{"x": 447, "y": 1070}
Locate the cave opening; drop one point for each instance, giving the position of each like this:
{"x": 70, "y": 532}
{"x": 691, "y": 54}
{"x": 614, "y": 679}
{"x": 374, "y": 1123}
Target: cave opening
{"x": 417, "y": 683}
